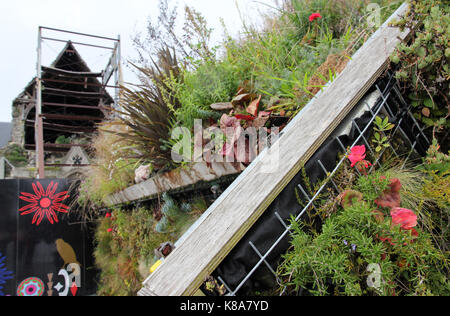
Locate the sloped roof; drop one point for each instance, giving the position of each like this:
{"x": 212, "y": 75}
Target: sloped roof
{"x": 68, "y": 59}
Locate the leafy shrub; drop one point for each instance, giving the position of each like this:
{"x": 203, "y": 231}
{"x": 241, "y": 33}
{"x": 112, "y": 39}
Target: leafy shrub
{"x": 282, "y": 59}
{"x": 209, "y": 83}
{"x": 423, "y": 60}
{"x": 359, "y": 251}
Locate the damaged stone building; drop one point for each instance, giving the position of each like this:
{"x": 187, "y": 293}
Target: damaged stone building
{"x": 74, "y": 101}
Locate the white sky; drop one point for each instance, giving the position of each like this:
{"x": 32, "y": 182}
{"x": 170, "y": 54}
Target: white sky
{"x": 19, "y": 21}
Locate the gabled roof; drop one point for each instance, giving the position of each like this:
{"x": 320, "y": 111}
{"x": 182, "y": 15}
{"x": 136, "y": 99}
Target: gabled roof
{"x": 68, "y": 59}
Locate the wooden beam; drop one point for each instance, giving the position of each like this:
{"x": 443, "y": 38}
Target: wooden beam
{"x": 90, "y": 84}
{"x": 174, "y": 180}
{"x": 55, "y": 147}
{"x": 72, "y": 93}
{"x": 67, "y": 117}
{"x": 75, "y": 106}
{"x": 63, "y": 128}
{"x": 233, "y": 214}
{"x": 68, "y": 73}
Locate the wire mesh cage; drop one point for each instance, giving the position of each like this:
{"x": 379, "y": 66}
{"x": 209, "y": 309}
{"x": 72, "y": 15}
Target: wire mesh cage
{"x": 251, "y": 266}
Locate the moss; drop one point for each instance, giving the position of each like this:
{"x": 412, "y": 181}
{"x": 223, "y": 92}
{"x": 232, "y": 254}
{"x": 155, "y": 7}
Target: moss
{"x": 16, "y": 155}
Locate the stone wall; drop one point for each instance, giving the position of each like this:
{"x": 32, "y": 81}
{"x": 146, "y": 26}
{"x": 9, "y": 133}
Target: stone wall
{"x": 18, "y": 121}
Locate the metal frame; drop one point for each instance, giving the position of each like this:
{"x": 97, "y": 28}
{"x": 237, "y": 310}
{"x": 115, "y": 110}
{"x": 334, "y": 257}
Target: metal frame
{"x": 385, "y": 105}
{"x": 113, "y": 67}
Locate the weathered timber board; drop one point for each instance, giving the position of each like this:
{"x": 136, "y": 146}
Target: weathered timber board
{"x": 174, "y": 180}
{"x": 233, "y": 214}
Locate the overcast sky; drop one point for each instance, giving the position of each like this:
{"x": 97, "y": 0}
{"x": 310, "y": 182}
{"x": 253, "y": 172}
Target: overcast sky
{"x": 19, "y": 21}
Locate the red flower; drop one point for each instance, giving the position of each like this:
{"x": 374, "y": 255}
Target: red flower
{"x": 108, "y": 215}
{"x": 404, "y": 217}
{"x": 44, "y": 202}
{"x": 110, "y": 230}
{"x": 407, "y": 221}
{"x": 314, "y": 16}
{"x": 357, "y": 154}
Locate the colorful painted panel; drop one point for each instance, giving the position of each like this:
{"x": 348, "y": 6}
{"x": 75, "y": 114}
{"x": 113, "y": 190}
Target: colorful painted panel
{"x": 44, "y": 249}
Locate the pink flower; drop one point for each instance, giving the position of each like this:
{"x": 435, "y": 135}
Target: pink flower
{"x": 404, "y": 217}
{"x": 357, "y": 154}
{"x": 108, "y": 215}
{"x": 110, "y": 230}
{"x": 314, "y": 16}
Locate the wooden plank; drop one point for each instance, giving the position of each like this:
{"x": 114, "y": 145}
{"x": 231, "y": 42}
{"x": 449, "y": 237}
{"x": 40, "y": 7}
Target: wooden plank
{"x": 233, "y": 214}
{"x": 68, "y": 117}
{"x": 72, "y": 93}
{"x": 68, "y": 73}
{"x": 88, "y": 84}
{"x": 75, "y": 106}
{"x": 62, "y": 128}
{"x": 174, "y": 180}
{"x": 55, "y": 147}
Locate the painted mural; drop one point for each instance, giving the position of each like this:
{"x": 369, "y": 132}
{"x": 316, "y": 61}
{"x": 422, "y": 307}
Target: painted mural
{"x": 44, "y": 203}
{"x": 44, "y": 250}
{"x": 5, "y": 274}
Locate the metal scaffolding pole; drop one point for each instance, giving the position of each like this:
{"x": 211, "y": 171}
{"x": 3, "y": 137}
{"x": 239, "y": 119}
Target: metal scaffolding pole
{"x": 118, "y": 75}
{"x": 39, "y": 132}
{"x": 113, "y": 68}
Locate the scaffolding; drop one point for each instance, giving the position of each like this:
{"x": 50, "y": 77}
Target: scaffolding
{"x": 77, "y": 78}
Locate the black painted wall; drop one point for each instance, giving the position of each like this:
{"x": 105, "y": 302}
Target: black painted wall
{"x": 41, "y": 244}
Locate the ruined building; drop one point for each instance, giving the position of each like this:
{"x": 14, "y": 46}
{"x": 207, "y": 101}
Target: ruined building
{"x": 74, "y": 101}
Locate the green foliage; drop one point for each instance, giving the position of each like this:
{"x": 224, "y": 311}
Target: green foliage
{"x": 118, "y": 253}
{"x": 175, "y": 219}
{"x": 148, "y": 111}
{"x": 211, "y": 82}
{"x": 62, "y": 140}
{"x": 125, "y": 254}
{"x": 283, "y": 59}
{"x": 436, "y": 160}
{"x": 381, "y": 127}
{"x": 423, "y": 60}
{"x": 435, "y": 194}
{"x": 358, "y": 250}
{"x": 336, "y": 16}
{"x": 16, "y": 155}
{"x": 340, "y": 259}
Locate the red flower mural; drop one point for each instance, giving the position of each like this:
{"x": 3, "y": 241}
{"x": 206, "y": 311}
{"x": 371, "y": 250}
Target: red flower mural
{"x": 44, "y": 203}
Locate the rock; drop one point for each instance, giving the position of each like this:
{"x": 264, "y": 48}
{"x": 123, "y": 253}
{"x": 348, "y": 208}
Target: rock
{"x": 223, "y": 106}
{"x": 142, "y": 174}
